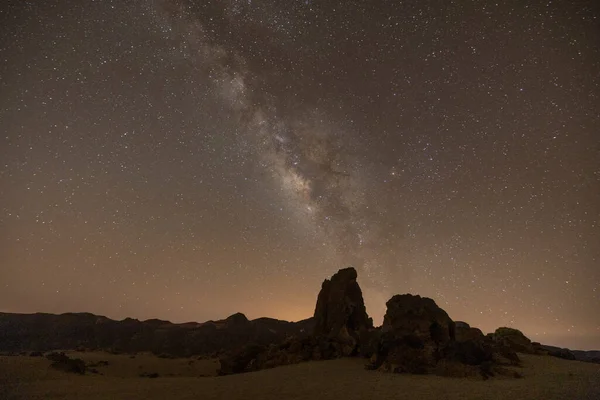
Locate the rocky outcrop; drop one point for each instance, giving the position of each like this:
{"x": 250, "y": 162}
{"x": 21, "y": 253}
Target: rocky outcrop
{"x": 419, "y": 337}
{"x": 416, "y": 337}
{"x": 513, "y": 339}
{"x": 464, "y": 332}
{"x": 340, "y": 313}
{"x": 62, "y": 362}
{"x": 340, "y": 321}
{"x": 414, "y": 333}
{"x": 409, "y": 315}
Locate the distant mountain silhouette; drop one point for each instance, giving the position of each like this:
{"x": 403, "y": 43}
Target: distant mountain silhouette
{"x": 592, "y": 356}
{"x": 44, "y": 332}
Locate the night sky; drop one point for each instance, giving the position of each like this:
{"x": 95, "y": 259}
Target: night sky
{"x": 186, "y": 160}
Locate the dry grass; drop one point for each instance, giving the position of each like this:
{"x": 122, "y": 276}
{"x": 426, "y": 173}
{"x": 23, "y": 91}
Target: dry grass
{"x": 30, "y": 378}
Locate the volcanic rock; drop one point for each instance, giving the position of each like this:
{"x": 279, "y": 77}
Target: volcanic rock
{"x": 415, "y": 322}
{"x": 513, "y": 339}
{"x": 62, "y": 362}
{"x": 419, "y": 337}
{"x": 340, "y": 313}
{"x": 340, "y": 321}
{"x": 464, "y": 332}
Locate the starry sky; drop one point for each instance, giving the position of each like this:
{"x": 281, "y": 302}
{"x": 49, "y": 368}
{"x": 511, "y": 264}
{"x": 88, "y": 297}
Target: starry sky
{"x": 187, "y": 159}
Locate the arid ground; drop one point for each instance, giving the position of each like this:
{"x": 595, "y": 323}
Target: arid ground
{"x": 25, "y": 377}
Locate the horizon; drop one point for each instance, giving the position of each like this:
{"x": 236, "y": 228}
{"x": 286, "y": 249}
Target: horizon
{"x": 557, "y": 341}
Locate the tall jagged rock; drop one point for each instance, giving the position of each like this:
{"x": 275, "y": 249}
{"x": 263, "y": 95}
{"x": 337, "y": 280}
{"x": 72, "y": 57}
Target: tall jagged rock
{"x": 340, "y": 304}
{"x": 340, "y": 313}
{"x": 340, "y": 320}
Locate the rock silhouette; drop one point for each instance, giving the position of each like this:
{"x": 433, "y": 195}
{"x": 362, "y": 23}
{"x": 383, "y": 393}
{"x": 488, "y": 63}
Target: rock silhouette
{"x": 47, "y": 332}
{"x": 513, "y": 339}
{"x": 340, "y": 313}
{"x": 464, "y": 332}
{"x": 339, "y": 320}
{"x": 417, "y": 336}
{"x": 62, "y": 362}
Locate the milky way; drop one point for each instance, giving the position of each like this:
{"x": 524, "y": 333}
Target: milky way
{"x": 305, "y": 152}
{"x": 186, "y": 160}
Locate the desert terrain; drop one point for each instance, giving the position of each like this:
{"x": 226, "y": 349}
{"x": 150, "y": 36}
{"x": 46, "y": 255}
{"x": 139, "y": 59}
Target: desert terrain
{"x": 26, "y": 377}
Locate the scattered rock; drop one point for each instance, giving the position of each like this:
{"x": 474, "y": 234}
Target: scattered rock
{"x": 62, "y": 362}
{"x": 240, "y": 360}
{"x": 149, "y": 375}
{"x": 101, "y": 363}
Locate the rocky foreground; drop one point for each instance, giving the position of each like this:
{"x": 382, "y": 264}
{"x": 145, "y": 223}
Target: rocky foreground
{"x": 416, "y": 337}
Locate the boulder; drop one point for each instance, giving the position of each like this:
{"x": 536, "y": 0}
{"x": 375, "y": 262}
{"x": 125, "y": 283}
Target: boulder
{"x": 241, "y": 360}
{"x": 419, "y": 316}
{"x": 419, "y": 337}
{"x": 513, "y": 339}
{"x": 464, "y": 332}
{"x": 418, "y": 322}
{"x": 62, "y": 362}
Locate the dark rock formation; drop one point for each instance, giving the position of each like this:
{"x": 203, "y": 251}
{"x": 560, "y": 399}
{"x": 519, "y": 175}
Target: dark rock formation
{"x": 340, "y": 313}
{"x": 419, "y": 337}
{"x": 340, "y": 321}
{"x": 592, "y": 356}
{"x": 464, "y": 332}
{"x": 240, "y": 360}
{"x": 418, "y": 322}
{"x": 414, "y": 332}
{"x": 513, "y": 339}
{"x": 62, "y": 362}
{"x": 565, "y": 354}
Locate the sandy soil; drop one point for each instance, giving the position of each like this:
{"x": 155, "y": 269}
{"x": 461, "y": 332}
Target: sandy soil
{"x": 24, "y": 377}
